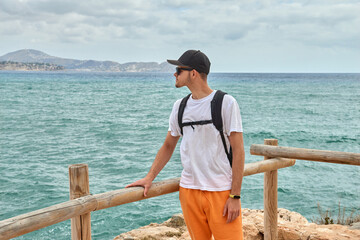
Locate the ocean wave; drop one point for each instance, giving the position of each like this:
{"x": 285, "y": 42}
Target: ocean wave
{"x": 342, "y": 139}
{"x": 259, "y": 135}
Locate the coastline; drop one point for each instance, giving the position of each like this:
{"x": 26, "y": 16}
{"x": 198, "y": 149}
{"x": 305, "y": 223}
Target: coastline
{"x": 36, "y": 67}
{"x": 291, "y": 226}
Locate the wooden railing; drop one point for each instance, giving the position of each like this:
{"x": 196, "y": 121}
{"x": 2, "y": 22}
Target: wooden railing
{"x": 81, "y": 204}
{"x": 306, "y": 154}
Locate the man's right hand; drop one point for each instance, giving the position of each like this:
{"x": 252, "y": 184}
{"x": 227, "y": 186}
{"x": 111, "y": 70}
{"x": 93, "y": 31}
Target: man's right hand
{"x": 145, "y": 183}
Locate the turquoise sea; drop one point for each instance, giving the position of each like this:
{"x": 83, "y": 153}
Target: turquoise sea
{"x": 116, "y": 122}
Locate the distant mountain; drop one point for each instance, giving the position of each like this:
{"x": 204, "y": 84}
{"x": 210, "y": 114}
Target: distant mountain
{"x": 35, "y": 56}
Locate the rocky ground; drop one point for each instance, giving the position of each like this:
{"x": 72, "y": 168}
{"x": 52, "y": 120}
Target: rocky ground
{"x": 291, "y": 226}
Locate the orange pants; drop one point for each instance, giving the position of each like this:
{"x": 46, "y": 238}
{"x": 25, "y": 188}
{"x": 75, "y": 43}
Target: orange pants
{"x": 203, "y": 214}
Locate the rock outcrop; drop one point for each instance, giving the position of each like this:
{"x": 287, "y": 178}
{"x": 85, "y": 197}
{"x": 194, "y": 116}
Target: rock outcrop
{"x": 291, "y": 226}
{"x": 17, "y": 66}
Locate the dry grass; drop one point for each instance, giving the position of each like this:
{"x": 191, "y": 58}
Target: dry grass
{"x": 327, "y": 218}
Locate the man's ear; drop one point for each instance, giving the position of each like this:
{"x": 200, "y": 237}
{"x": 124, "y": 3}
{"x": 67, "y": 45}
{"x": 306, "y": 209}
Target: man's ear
{"x": 193, "y": 73}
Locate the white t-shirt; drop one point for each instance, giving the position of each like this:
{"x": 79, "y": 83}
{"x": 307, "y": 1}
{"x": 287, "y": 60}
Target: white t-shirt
{"x": 205, "y": 164}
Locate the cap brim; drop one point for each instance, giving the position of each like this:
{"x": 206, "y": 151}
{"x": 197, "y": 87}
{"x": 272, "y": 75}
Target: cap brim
{"x": 176, "y": 62}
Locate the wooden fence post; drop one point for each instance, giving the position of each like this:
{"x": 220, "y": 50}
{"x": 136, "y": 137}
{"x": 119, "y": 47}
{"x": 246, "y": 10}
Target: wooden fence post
{"x": 79, "y": 187}
{"x": 270, "y": 200}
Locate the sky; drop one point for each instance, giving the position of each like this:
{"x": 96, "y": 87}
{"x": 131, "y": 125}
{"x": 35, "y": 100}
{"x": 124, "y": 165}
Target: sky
{"x": 237, "y": 36}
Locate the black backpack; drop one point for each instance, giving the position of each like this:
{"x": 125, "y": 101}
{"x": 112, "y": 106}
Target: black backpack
{"x": 216, "y": 104}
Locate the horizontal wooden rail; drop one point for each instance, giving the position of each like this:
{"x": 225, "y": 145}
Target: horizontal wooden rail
{"x": 268, "y": 165}
{"x": 122, "y": 196}
{"x": 306, "y": 154}
{"x": 128, "y": 195}
{"x": 41, "y": 218}
{"x": 29, "y": 222}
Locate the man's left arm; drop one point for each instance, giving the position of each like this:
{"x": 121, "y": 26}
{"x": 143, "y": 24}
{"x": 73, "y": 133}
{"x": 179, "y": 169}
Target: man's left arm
{"x": 233, "y": 206}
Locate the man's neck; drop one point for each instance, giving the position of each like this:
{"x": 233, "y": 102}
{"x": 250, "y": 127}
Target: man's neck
{"x": 198, "y": 93}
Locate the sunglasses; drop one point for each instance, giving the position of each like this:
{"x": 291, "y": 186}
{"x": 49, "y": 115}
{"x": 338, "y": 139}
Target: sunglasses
{"x": 179, "y": 70}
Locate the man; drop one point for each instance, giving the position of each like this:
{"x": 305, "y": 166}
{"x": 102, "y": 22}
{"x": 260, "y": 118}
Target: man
{"x": 209, "y": 187}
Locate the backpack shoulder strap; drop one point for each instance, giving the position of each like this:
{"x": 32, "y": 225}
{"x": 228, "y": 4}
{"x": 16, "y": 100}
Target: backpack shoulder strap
{"x": 216, "y": 106}
{"x": 181, "y": 112}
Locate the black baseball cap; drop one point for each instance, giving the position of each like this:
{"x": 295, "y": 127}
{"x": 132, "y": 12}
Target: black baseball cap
{"x": 194, "y": 59}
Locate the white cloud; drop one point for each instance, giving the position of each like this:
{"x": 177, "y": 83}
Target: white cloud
{"x": 149, "y": 30}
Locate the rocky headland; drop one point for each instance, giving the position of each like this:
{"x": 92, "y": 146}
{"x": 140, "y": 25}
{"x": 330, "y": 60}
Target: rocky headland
{"x": 34, "y": 60}
{"x": 291, "y": 226}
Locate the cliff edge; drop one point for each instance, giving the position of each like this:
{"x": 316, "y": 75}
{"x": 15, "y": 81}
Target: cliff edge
{"x": 291, "y": 226}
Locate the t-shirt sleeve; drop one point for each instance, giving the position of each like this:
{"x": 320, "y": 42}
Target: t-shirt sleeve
{"x": 173, "y": 122}
{"x": 231, "y": 115}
